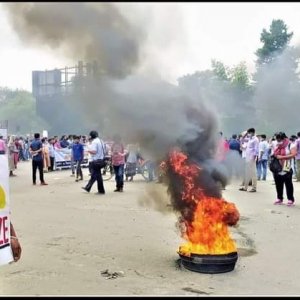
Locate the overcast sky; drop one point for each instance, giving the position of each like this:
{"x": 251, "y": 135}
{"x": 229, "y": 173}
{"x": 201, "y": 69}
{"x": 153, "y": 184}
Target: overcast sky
{"x": 181, "y": 38}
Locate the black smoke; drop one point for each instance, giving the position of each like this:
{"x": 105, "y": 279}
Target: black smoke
{"x": 156, "y": 114}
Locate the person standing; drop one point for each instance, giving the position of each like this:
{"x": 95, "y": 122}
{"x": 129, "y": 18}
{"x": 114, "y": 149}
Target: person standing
{"x": 221, "y": 155}
{"x": 251, "y": 157}
{"x": 20, "y": 146}
{"x": 97, "y": 153}
{"x": 77, "y": 157}
{"x": 234, "y": 144}
{"x": 36, "y": 150}
{"x": 56, "y": 143}
{"x": 70, "y": 141}
{"x": 16, "y": 153}
{"x": 26, "y": 149}
{"x": 262, "y": 160}
{"x": 51, "y": 154}
{"x": 293, "y": 142}
{"x": 284, "y": 152}
{"x": 64, "y": 142}
{"x": 243, "y": 146}
{"x": 298, "y": 157}
{"x": 12, "y": 149}
{"x": 46, "y": 154}
{"x": 118, "y": 162}
{"x": 131, "y": 161}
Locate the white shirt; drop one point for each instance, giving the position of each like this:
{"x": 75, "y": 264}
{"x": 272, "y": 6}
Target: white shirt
{"x": 252, "y": 148}
{"x": 98, "y": 146}
{"x": 264, "y": 149}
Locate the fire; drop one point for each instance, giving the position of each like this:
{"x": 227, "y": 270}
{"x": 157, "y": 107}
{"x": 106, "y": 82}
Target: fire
{"x": 207, "y": 232}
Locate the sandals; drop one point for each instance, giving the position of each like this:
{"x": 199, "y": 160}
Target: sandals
{"x": 290, "y": 203}
{"x": 278, "y": 202}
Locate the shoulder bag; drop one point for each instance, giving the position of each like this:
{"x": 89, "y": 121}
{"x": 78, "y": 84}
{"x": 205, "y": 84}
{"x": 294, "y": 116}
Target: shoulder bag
{"x": 275, "y": 166}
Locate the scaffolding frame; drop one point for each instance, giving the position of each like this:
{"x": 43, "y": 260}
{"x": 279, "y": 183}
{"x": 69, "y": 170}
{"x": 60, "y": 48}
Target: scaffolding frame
{"x": 66, "y": 80}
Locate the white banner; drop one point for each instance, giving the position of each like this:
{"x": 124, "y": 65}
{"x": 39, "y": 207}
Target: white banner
{"x": 63, "y": 158}
{"x": 5, "y": 248}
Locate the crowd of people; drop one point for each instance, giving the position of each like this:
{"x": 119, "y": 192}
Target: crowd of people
{"x": 41, "y": 151}
{"x": 254, "y": 149}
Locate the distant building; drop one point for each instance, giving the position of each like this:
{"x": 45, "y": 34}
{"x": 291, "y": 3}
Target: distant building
{"x": 54, "y": 89}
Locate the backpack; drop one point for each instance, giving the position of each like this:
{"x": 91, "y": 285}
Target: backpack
{"x": 275, "y": 166}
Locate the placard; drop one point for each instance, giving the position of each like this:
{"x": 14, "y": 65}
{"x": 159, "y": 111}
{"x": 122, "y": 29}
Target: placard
{"x": 5, "y": 248}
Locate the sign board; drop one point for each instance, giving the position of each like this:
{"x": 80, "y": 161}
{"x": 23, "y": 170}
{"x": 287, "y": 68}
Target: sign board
{"x": 5, "y": 248}
{"x": 45, "y": 134}
{"x": 46, "y": 82}
{"x": 63, "y": 158}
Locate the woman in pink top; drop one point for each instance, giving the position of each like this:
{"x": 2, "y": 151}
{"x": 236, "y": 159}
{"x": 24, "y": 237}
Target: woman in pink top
{"x": 118, "y": 162}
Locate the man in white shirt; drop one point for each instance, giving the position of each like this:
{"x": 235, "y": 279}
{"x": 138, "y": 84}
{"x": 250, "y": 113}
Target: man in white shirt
{"x": 96, "y": 149}
{"x": 251, "y": 156}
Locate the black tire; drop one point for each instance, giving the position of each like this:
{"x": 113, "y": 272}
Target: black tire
{"x": 210, "y": 264}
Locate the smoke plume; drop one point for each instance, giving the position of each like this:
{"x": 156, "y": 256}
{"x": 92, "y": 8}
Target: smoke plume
{"x": 84, "y": 31}
{"x": 156, "y": 114}
{"x": 277, "y": 93}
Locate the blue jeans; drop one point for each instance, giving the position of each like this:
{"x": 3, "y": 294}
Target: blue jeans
{"x": 119, "y": 176}
{"x": 26, "y": 154}
{"x": 73, "y": 165}
{"x": 261, "y": 168}
{"x": 78, "y": 168}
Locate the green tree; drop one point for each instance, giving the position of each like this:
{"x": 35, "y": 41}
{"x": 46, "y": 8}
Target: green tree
{"x": 227, "y": 90}
{"x": 219, "y": 70}
{"x": 239, "y": 76}
{"x": 274, "y": 41}
{"x": 19, "y": 108}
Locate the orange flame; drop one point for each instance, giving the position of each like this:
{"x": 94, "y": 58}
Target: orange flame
{"x": 208, "y": 232}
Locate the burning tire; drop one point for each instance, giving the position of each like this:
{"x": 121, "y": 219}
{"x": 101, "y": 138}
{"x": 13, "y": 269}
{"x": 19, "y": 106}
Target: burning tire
{"x": 210, "y": 264}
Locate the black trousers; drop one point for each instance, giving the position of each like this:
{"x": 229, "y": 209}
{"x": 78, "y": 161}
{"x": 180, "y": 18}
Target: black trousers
{"x": 37, "y": 165}
{"x": 280, "y": 181}
{"x": 96, "y": 176}
{"x": 51, "y": 168}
